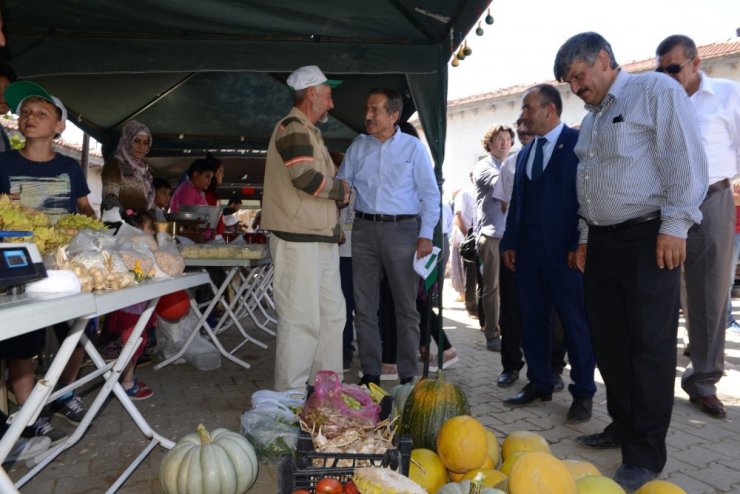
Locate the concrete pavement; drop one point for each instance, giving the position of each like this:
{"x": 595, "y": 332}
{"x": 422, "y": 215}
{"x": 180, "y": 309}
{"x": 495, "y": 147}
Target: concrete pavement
{"x": 703, "y": 453}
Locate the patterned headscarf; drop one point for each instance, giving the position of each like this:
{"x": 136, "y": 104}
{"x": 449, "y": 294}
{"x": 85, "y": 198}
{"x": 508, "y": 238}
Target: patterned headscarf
{"x": 130, "y": 166}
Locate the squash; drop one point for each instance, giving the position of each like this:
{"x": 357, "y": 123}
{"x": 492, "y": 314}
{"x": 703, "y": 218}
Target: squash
{"x": 541, "y": 473}
{"x": 580, "y": 468}
{"x": 508, "y": 463}
{"x": 523, "y": 441}
{"x": 494, "y": 451}
{"x": 660, "y": 487}
{"x": 429, "y": 405}
{"x": 400, "y": 393}
{"x": 474, "y": 486}
{"x": 598, "y": 484}
{"x": 462, "y": 444}
{"x": 491, "y": 477}
{"x": 202, "y": 463}
{"x": 427, "y": 469}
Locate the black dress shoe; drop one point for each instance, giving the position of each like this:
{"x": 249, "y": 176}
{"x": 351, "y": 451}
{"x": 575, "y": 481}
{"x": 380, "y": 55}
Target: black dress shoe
{"x": 600, "y": 440}
{"x": 369, "y": 378}
{"x": 506, "y": 379}
{"x": 632, "y": 477}
{"x": 580, "y": 410}
{"x": 559, "y": 384}
{"x": 528, "y": 394}
{"x": 710, "y": 405}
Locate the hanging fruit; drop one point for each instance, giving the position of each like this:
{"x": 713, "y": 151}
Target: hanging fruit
{"x": 460, "y": 54}
{"x": 479, "y": 30}
{"x": 489, "y": 18}
{"x": 455, "y": 63}
{"x": 467, "y": 51}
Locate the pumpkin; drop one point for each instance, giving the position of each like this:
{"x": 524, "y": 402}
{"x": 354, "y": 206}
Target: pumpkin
{"x": 660, "y": 487}
{"x": 523, "y": 441}
{"x": 427, "y": 469}
{"x": 430, "y": 403}
{"x": 508, "y": 463}
{"x": 541, "y": 473}
{"x": 474, "y": 486}
{"x": 598, "y": 484}
{"x": 462, "y": 444}
{"x": 491, "y": 477}
{"x": 400, "y": 393}
{"x": 580, "y": 468}
{"x": 494, "y": 451}
{"x": 202, "y": 463}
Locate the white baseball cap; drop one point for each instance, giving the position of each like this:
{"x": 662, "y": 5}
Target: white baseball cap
{"x": 307, "y": 76}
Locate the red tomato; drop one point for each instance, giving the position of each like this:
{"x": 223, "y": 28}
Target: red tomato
{"x": 328, "y": 485}
{"x": 350, "y": 487}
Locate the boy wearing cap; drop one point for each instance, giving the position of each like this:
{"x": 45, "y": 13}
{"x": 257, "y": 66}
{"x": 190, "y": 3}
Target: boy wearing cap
{"x": 300, "y": 209}
{"x": 45, "y": 180}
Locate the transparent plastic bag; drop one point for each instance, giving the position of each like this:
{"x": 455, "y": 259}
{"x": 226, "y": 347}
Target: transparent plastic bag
{"x": 171, "y": 336}
{"x": 269, "y": 432}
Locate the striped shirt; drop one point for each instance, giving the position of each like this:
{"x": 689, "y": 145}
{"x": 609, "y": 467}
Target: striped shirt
{"x": 640, "y": 151}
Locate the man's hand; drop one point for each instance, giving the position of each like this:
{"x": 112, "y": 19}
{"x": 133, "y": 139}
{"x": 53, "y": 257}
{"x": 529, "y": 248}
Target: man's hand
{"x": 504, "y": 206}
{"x": 578, "y": 260}
{"x": 670, "y": 251}
{"x": 345, "y": 200}
{"x": 509, "y": 258}
{"x": 423, "y": 247}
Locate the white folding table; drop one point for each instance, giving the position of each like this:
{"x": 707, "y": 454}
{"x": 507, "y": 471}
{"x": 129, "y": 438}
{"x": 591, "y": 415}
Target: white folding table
{"x": 102, "y": 303}
{"x": 251, "y": 280}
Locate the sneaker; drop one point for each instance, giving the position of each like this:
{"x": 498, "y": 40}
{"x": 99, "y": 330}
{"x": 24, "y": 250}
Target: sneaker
{"x": 71, "y": 410}
{"x": 449, "y": 358}
{"x": 27, "y": 448}
{"x": 494, "y": 344}
{"x": 734, "y": 327}
{"x": 389, "y": 372}
{"x": 43, "y": 428}
{"x": 139, "y": 391}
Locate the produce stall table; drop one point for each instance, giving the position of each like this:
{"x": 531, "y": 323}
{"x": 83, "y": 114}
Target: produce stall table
{"x": 96, "y": 304}
{"x": 251, "y": 280}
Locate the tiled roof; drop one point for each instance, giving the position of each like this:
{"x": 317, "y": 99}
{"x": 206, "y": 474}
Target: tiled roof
{"x": 706, "y": 52}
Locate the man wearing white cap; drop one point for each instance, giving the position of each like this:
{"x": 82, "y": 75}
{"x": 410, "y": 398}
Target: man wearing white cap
{"x": 299, "y": 207}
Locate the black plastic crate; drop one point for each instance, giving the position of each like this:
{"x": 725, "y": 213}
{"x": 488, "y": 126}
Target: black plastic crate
{"x": 308, "y": 466}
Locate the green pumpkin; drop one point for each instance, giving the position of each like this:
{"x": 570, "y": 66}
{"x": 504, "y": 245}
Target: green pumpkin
{"x": 400, "y": 393}
{"x": 430, "y": 403}
{"x": 203, "y": 463}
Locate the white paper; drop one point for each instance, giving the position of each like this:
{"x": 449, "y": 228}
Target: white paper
{"x": 426, "y": 265}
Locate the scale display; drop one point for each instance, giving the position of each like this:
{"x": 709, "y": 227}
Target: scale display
{"x": 15, "y": 259}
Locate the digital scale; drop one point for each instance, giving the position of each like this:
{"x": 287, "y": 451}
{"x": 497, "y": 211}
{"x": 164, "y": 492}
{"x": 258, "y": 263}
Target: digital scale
{"x": 20, "y": 263}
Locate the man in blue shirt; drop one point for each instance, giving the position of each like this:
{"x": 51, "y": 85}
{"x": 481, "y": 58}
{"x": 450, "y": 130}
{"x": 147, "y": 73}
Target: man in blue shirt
{"x": 397, "y": 207}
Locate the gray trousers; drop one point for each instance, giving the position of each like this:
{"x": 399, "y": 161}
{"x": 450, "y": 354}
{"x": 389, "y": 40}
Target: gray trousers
{"x": 707, "y": 267}
{"x": 389, "y": 246}
{"x": 490, "y": 258}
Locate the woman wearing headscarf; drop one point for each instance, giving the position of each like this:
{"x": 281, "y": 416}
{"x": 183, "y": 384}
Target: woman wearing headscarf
{"x": 128, "y": 192}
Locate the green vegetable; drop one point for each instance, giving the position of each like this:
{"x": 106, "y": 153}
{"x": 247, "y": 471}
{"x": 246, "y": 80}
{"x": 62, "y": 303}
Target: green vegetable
{"x": 351, "y": 402}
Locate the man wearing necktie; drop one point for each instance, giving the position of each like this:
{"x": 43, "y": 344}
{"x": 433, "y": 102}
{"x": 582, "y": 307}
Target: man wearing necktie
{"x": 539, "y": 244}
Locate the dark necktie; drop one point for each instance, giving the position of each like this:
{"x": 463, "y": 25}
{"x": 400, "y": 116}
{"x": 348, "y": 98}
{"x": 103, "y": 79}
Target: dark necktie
{"x": 538, "y": 163}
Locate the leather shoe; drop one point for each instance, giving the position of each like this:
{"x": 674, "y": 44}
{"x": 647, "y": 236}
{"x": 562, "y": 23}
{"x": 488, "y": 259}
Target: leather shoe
{"x": 559, "y": 384}
{"x": 506, "y": 379}
{"x": 369, "y": 378}
{"x": 600, "y": 440}
{"x": 580, "y": 410}
{"x": 710, "y": 405}
{"x": 494, "y": 344}
{"x": 528, "y": 394}
{"x": 632, "y": 477}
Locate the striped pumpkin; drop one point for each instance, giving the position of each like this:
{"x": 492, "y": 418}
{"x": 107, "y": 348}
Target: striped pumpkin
{"x": 430, "y": 404}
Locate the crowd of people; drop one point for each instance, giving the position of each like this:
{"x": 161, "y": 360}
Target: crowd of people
{"x": 582, "y": 237}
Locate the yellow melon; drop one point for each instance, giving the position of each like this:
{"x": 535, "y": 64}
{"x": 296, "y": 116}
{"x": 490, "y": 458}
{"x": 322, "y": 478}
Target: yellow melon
{"x": 508, "y": 463}
{"x": 598, "y": 484}
{"x": 523, "y": 441}
{"x": 540, "y": 473}
{"x": 491, "y": 477}
{"x": 660, "y": 487}
{"x": 487, "y": 463}
{"x": 580, "y": 468}
{"x": 462, "y": 444}
{"x": 427, "y": 469}
{"x": 454, "y": 476}
{"x": 494, "y": 451}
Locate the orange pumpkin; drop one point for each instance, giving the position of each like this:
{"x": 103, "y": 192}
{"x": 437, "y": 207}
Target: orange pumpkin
{"x": 462, "y": 444}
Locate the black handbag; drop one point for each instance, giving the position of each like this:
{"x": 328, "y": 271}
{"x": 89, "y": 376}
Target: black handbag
{"x": 468, "y": 248}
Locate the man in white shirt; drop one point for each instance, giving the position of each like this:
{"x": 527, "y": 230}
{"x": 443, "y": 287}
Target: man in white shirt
{"x": 464, "y": 219}
{"x": 708, "y": 247}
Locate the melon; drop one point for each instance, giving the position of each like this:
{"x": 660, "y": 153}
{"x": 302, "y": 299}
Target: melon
{"x": 462, "y": 444}
{"x": 523, "y": 441}
{"x": 660, "y": 487}
{"x": 580, "y": 468}
{"x": 427, "y": 469}
{"x": 598, "y": 484}
{"x": 540, "y": 473}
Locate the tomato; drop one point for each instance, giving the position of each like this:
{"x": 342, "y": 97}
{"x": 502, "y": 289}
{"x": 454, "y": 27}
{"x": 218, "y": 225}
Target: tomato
{"x": 350, "y": 487}
{"x": 328, "y": 485}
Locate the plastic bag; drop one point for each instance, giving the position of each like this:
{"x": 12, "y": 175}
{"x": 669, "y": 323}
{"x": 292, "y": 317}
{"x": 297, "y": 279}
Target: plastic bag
{"x": 332, "y": 399}
{"x": 171, "y": 336}
{"x": 269, "y": 432}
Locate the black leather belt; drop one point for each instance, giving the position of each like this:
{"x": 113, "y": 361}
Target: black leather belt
{"x": 385, "y": 218}
{"x": 719, "y": 185}
{"x": 654, "y": 215}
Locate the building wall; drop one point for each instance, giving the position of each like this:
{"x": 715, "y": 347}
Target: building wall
{"x": 467, "y": 123}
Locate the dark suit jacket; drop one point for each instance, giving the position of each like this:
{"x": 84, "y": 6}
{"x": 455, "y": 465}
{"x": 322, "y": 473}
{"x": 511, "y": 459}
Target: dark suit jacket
{"x": 559, "y": 205}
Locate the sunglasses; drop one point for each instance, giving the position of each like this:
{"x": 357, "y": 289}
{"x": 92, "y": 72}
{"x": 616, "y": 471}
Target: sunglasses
{"x": 673, "y": 68}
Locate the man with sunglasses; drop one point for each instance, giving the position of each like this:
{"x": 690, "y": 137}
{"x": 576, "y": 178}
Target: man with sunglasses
{"x": 708, "y": 248}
